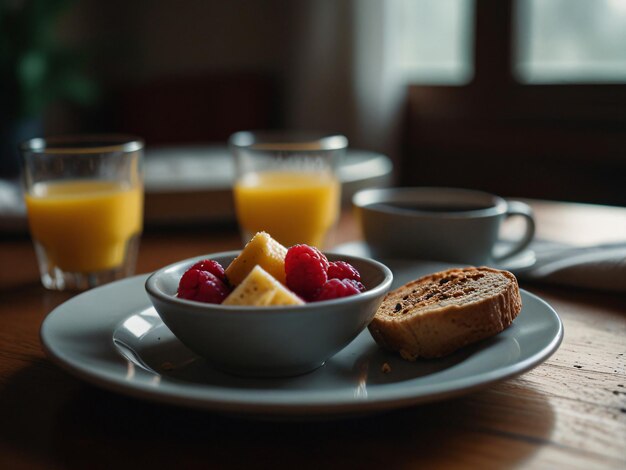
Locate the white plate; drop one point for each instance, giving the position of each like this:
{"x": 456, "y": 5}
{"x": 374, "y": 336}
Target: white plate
{"x": 193, "y": 168}
{"x": 111, "y": 337}
{"x": 193, "y": 184}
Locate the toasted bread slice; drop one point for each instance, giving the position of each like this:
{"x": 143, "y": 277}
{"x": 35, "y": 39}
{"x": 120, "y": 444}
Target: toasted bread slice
{"x": 437, "y": 314}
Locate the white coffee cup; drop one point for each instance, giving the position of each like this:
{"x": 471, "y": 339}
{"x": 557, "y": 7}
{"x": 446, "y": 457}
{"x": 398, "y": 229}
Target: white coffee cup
{"x": 443, "y": 224}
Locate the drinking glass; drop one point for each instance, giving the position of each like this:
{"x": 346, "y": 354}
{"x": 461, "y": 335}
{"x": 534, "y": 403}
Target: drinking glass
{"x": 84, "y": 198}
{"x": 287, "y": 185}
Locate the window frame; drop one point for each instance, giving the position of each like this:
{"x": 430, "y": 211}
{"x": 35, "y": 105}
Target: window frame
{"x": 495, "y": 117}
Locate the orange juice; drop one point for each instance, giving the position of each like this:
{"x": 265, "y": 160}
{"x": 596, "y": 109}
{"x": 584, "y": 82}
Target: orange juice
{"x": 84, "y": 226}
{"x": 293, "y": 207}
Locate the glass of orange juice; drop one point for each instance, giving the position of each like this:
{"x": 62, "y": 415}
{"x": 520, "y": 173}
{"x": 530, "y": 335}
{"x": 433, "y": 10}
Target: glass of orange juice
{"x": 84, "y": 198}
{"x": 286, "y": 185}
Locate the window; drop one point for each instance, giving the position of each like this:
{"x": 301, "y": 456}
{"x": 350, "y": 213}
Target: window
{"x": 570, "y": 41}
{"x": 436, "y": 44}
{"x": 543, "y": 116}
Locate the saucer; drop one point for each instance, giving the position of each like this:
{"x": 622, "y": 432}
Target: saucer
{"x": 516, "y": 264}
{"x": 112, "y": 337}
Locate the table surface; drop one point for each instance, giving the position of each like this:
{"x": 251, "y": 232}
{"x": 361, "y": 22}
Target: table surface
{"x": 569, "y": 412}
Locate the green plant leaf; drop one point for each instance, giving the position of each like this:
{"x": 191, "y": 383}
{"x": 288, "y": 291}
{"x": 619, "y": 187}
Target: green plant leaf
{"x": 35, "y": 69}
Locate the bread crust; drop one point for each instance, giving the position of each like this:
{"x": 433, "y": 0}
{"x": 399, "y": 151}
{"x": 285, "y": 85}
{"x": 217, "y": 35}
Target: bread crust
{"x": 437, "y": 314}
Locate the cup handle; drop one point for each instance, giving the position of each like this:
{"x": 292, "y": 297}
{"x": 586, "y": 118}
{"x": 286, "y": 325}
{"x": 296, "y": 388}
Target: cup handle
{"x": 522, "y": 209}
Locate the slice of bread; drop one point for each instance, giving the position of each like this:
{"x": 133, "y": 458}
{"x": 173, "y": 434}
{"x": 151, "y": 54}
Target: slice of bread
{"x": 437, "y": 314}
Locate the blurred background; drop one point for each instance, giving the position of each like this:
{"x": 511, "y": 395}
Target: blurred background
{"x": 525, "y": 98}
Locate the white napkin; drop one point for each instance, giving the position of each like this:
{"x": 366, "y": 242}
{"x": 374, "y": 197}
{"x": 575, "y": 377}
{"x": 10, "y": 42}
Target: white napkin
{"x": 601, "y": 267}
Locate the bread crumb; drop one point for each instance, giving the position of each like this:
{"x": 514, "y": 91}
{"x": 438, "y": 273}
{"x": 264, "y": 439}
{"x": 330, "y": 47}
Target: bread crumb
{"x": 167, "y": 365}
{"x": 386, "y": 368}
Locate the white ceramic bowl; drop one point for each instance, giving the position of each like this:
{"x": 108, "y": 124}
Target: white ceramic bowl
{"x": 267, "y": 341}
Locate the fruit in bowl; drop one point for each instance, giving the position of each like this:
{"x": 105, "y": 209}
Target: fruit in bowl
{"x": 257, "y": 337}
{"x": 267, "y": 273}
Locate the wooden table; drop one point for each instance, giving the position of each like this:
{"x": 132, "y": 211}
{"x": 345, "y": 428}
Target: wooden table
{"x": 570, "y": 412}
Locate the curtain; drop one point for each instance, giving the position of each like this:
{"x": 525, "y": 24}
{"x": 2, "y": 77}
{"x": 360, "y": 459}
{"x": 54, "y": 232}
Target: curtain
{"x": 341, "y": 74}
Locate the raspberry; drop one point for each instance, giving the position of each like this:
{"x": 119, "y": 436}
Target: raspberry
{"x": 305, "y": 270}
{"x": 212, "y": 267}
{"x": 202, "y": 286}
{"x": 358, "y": 284}
{"x": 335, "y": 288}
{"x": 342, "y": 270}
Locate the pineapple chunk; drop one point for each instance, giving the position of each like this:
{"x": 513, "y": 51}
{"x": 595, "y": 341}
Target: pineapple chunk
{"x": 283, "y": 296}
{"x": 262, "y": 250}
{"x": 256, "y": 289}
{"x": 261, "y": 289}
